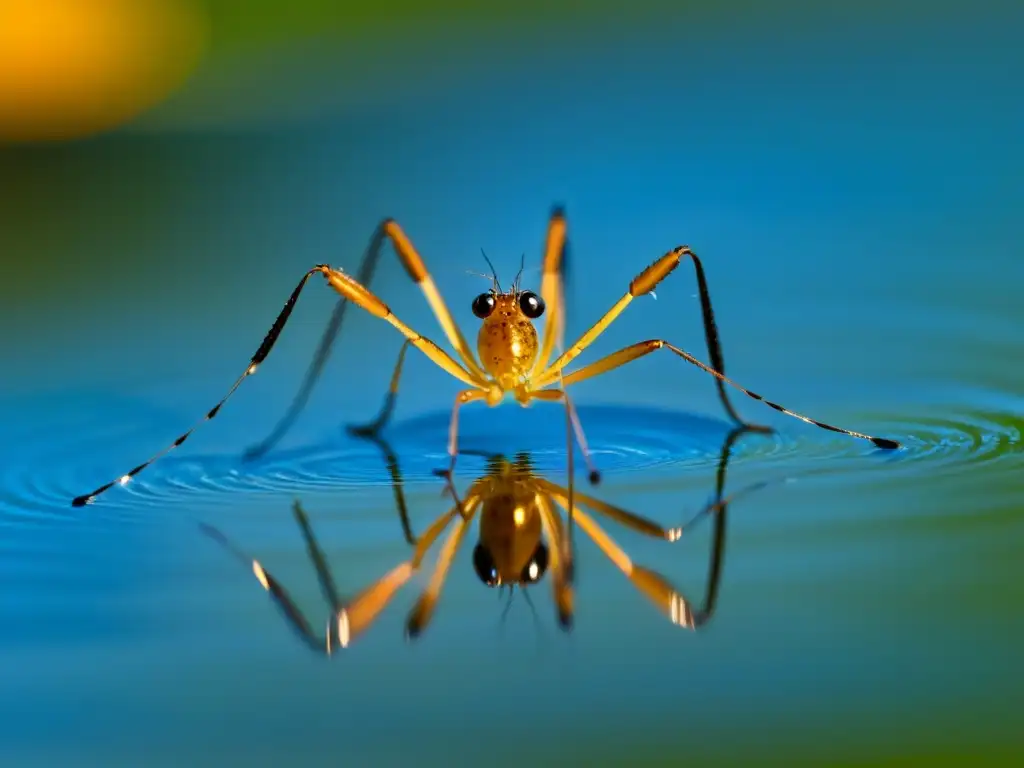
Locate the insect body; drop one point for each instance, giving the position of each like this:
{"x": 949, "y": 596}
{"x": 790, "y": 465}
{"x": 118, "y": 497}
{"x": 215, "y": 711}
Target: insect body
{"x": 507, "y": 341}
{"x": 514, "y": 359}
{"x": 521, "y": 539}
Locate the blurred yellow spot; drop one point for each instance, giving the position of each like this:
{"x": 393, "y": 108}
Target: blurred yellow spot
{"x": 70, "y": 68}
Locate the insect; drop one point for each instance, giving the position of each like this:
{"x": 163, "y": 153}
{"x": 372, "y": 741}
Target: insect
{"x": 521, "y": 538}
{"x": 514, "y": 359}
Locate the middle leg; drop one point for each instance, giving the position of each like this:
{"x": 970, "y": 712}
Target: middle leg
{"x": 641, "y": 285}
{"x": 643, "y": 348}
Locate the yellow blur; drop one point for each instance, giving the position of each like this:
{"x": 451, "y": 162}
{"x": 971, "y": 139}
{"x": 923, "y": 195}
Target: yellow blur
{"x": 70, "y": 68}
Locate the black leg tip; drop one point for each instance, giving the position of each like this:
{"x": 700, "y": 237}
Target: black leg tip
{"x": 413, "y": 630}
{"x": 251, "y": 454}
{"x": 80, "y": 501}
{"x": 595, "y": 477}
{"x": 558, "y": 211}
{"x": 362, "y": 430}
{"x": 885, "y": 443}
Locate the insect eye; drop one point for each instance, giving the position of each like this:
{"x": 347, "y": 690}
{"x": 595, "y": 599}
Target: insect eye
{"x": 531, "y": 304}
{"x": 483, "y": 305}
{"x": 537, "y": 566}
{"x": 483, "y": 564}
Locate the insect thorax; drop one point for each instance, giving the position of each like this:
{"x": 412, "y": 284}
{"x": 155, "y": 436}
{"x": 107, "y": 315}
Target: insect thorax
{"x": 507, "y": 342}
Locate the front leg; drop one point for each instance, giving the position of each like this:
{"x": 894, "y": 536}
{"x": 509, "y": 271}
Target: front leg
{"x": 465, "y": 396}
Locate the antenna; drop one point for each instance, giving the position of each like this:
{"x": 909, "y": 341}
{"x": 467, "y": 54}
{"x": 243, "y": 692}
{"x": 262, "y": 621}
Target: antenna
{"x": 494, "y": 272}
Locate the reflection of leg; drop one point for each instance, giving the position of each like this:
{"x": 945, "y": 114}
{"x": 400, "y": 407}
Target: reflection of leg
{"x": 719, "y": 507}
{"x": 622, "y": 516}
{"x": 382, "y": 418}
{"x": 396, "y": 483}
{"x": 293, "y": 616}
{"x": 355, "y": 617}
{"x": 573, "y": 427}
{"x": 323, "y": 571}
{"x": 423, "y": 610}
{"x": 561, "y": 580}
{"x": 650, "y": 583}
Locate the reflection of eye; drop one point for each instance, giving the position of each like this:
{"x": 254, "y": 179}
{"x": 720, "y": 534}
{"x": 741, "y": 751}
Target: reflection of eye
{"x": 531, "y": 304}
{"x": 483, "y": 563}
{"x": 537, "y": 566}
{"x": 483, "y": 305}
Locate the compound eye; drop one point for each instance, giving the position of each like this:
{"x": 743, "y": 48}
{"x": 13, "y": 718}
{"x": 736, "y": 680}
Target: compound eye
{"x": 531, "y": 304}
{"x": 484, "y": 566}
{"x": 537, "y": 566}
{"x": 483, "y": 305}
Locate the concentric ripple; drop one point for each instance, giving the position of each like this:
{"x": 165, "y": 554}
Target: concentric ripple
{"x": 39, "y": 481}
{"x": 620, "y": 438}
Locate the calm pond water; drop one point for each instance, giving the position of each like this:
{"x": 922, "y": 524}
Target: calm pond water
{"x": 867, "y": 274}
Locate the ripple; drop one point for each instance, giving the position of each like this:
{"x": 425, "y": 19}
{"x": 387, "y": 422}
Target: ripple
{"x": 977, "y": 427}
{"x": 621, "y": 439}
{"x": 37, "y": 485}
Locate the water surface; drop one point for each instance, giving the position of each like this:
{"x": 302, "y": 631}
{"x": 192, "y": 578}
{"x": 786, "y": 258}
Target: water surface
{"x": 866, "y": 274}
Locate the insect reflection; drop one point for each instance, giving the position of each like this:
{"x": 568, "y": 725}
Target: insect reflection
{"x": 521, "y": 538}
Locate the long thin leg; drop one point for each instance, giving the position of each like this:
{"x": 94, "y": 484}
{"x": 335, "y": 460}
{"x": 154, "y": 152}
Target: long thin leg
{"x": 416, "y": 269}
{"x": 641, "y": 285}
{"x": 359, "y": 294}
{"x": 465, "y": 396}
{"x": 381, "y": 419}
{"x": 254, "y": 362}
{"x": 418, "y": 272}
{"x": 367, "y": 267}
{"x": 552, "y": 287}
{"x": 423, "y": 610}
{"x": 573, "y": 425}
{"x": 553, "y": 395}
{"x": 642, "y": 348}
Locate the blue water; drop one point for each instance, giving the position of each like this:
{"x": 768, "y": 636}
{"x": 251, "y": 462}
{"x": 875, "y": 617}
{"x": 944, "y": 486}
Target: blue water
{"x": 859, "y": 225}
